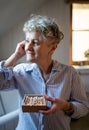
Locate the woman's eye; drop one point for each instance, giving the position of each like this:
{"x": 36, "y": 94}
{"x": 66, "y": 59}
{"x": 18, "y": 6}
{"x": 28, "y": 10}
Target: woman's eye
{"x": 27, "y": 41}
{"x": 35, "y": 42}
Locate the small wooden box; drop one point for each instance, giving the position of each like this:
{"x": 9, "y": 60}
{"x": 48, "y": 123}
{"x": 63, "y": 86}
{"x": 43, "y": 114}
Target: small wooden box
{"x": 33, "y": 103}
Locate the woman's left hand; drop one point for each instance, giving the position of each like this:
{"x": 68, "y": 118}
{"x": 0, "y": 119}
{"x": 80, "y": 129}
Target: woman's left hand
{"x": 57, "y": 104}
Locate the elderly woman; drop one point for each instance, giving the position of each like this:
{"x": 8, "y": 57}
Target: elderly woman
{"x": 60, "y": 83}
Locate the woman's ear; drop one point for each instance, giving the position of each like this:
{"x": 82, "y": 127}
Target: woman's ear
{"x": 53, "y": 48}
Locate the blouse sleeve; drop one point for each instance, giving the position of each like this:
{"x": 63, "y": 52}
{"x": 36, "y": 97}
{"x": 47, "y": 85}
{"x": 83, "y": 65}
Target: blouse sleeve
{"x": 6, "y": 77}
{"x": 78, "y": 96}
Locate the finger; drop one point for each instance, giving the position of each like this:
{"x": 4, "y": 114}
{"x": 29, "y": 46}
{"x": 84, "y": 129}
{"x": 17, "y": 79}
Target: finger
{"x": 49, "y": 98}
{"x": 47, "y": 111}
{"x": 22, "y": 43}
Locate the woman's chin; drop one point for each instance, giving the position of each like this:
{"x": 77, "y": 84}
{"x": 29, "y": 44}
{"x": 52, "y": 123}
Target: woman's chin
{"x": 30, "y": 60}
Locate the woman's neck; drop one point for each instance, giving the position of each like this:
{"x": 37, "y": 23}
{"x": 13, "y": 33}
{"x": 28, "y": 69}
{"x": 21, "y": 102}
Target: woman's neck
{"x": 46, "y": 69}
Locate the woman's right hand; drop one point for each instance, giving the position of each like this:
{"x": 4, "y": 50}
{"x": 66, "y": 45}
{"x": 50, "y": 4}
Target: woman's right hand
{"x": 20, "y": 49}
{"x": 19, "y": 52}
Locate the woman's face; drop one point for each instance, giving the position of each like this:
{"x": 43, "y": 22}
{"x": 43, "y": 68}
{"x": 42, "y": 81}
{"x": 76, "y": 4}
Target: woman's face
{"x": 37, "y": 47}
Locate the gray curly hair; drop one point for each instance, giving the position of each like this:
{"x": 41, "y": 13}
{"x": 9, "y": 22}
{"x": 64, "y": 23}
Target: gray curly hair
{"x": 46, "y": 25}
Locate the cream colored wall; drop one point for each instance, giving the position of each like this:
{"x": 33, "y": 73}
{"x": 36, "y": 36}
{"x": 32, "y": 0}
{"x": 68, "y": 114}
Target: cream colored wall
{"x": 54, "y": 8}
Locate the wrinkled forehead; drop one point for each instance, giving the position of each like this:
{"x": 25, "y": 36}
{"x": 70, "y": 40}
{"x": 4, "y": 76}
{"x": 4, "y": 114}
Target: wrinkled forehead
{"x": 35, "y": 35}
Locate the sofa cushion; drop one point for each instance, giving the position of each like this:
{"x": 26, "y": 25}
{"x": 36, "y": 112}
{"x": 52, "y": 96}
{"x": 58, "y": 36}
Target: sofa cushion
{"x": 9, "y": 100}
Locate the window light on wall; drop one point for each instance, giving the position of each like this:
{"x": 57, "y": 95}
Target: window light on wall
{"x": 80, "y": 31}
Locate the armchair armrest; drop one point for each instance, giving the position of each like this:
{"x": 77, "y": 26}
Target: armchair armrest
{"x": 9, "y": 117}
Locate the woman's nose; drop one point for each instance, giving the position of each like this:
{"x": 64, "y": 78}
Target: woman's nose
{"x": 29, "y": 45}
